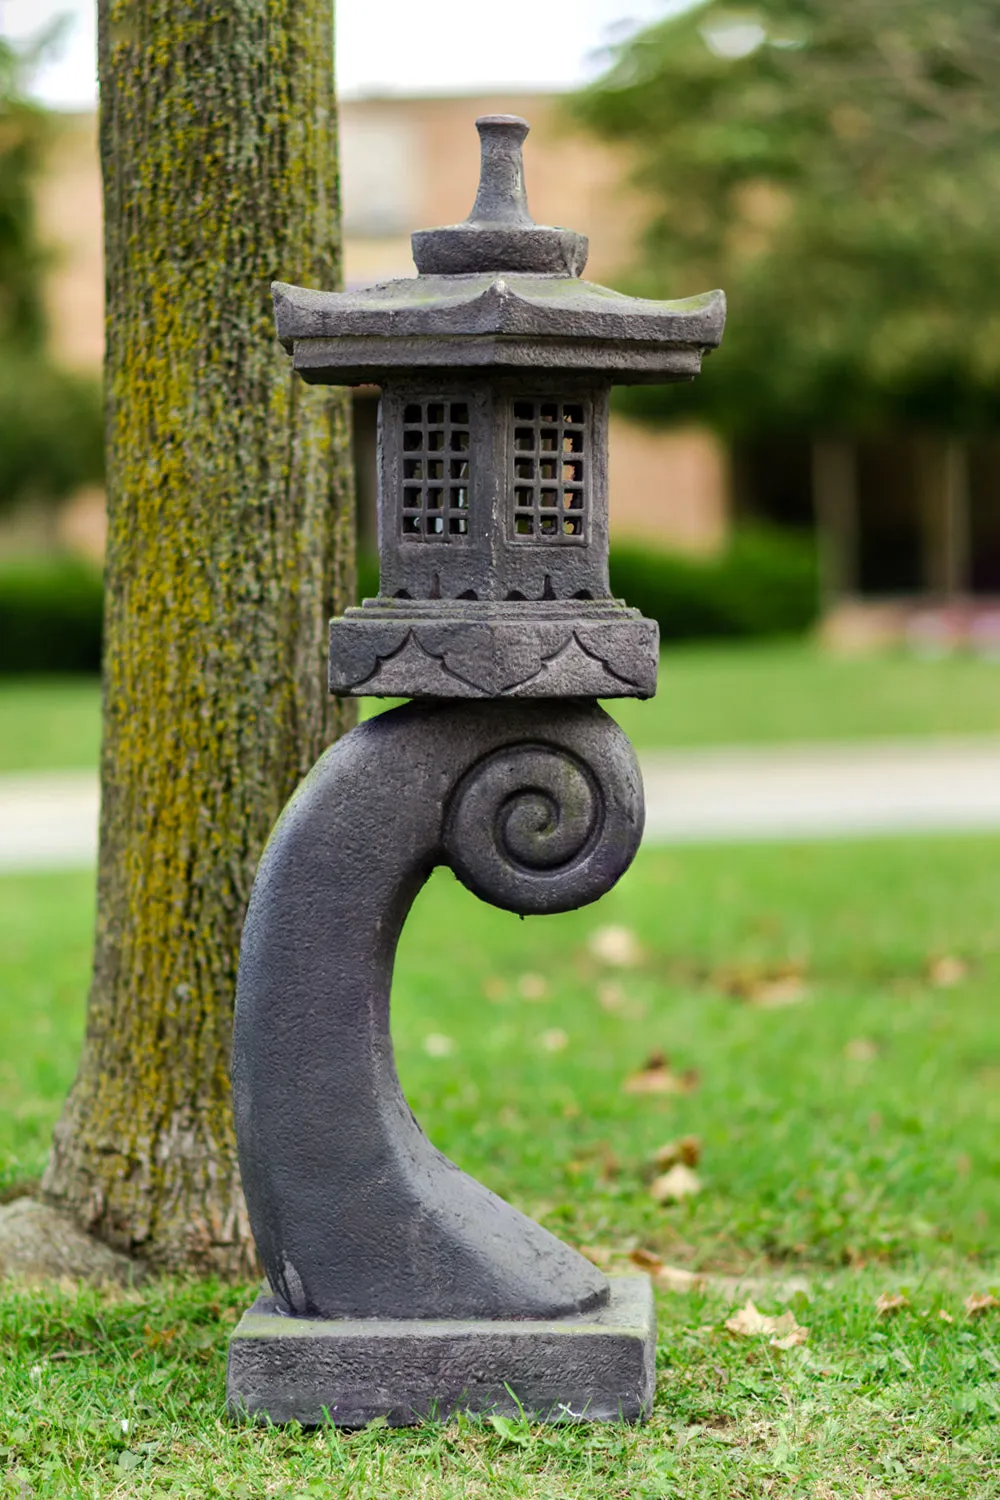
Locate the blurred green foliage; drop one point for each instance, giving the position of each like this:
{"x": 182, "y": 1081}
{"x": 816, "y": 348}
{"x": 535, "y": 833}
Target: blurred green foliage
{"x": 51, "y": 427}
{"x": 367, "y": 575}
{"x": 765, "y": 583}
{"x": 51, "y": 611}
{"x": 835, "y": 166}
{"x": 24, "y": 134}
{"x": 51, "y": 431}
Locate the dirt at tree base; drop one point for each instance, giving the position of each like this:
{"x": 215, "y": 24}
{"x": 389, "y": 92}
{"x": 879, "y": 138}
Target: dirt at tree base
{"x": 41, "y": 1243}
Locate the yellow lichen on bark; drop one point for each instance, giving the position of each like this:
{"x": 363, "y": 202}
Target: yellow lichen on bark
{"x": 230, "y": 544}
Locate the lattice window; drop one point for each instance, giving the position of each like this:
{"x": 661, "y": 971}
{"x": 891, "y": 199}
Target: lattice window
{"x": 549, "y": 470}
{"x": 436, "y": 463}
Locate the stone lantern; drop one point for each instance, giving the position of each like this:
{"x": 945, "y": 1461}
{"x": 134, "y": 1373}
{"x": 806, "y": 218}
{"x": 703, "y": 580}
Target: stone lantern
{"x": 496, "y": 364}
{"x": 398, "y": 1286}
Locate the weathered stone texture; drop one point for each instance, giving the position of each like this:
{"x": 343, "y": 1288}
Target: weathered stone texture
{"x": 596, "y": 1367}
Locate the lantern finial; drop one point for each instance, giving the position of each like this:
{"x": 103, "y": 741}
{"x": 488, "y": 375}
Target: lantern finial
{"x": 501, "y": 198}
{"x": 500, "y": 234}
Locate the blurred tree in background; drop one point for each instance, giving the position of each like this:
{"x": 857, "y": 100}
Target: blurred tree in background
{"x": 22, "y": 143}
{"x": 835, "y": 165}
{"x": 51, "y": 439}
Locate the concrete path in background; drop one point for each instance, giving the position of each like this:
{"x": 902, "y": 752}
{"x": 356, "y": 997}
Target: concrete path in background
{"x": 49, "y": 821}
{"x": 822, "y": 791}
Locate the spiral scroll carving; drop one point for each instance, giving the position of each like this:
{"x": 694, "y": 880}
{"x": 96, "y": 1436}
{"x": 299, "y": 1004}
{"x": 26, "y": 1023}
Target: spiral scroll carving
{"x": 538, "y": 807}
{"x": 534, "y": 828}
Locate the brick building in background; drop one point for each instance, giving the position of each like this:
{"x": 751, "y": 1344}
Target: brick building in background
{"x": 906, "y": 522}
{"x": 411, "y": 163}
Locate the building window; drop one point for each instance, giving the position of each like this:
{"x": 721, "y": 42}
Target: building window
{"x": 436, "y": 462}
{"x": 549, "y": 461}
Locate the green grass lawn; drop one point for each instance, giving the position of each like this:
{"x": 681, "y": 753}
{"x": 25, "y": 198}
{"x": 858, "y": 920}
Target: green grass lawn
{"x": 793, "y": 691}
{"x": 742, "y": 694}
{"x": 832, "y": 1008}
{"x": 49, "y": 723}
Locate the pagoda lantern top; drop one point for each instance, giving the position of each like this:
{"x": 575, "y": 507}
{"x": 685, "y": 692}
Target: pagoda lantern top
{"x": 496, "y": 363}
{"x": 496, "y": 291}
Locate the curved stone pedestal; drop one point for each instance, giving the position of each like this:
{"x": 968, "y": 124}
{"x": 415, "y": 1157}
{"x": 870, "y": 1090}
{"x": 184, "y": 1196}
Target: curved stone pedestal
{"x": 595, "y": 1366}
{"x": 400, "y": 1286}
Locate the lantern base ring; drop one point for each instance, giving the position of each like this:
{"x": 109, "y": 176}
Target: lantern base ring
{"x": 596, "y": 1366}
{"x": 456, "y": 648}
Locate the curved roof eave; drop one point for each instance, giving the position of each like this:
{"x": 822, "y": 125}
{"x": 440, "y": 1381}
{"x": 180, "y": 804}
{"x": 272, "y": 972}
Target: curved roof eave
{"x": 494, "y": 303}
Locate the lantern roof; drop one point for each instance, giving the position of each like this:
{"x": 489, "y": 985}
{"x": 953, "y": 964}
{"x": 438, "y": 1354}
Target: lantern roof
{"x": 496, "y": 290}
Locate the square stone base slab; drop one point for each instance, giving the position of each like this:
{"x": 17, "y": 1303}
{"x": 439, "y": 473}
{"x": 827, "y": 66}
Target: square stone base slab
{"x": 598, "y": 1367}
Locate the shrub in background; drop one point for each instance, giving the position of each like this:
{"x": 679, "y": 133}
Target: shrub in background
{"x": 367, "y": 575}
{"x": 766, "y": 583}
{"x": 51, "y": 431}
{"x": 50, "y": 615}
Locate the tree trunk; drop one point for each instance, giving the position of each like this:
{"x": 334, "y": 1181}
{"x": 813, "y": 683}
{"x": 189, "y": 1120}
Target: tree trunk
{"x": 835, "y": 501}
{"x": 230, "y": 542}
{"x": 957, "y": 523}
{"x": 943, "y": 499}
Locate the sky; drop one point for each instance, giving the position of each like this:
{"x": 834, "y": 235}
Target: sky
{"x": 395, "y": 46}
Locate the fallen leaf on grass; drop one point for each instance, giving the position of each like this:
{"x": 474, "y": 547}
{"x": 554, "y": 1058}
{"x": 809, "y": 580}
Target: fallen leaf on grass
{"x": 783, "y": 1331}
{"x": 674, "y": 1279}
{"x": 657, "y": 1077}
{"x": 860, "y": 1049}
{"x": 618, "y": 947}
{"x": 945, "y": 1317}
{"x": 891, "y": 1302}
{"x": 611, "y": 997}
{"x": 779, "y": 993}
{"x": 679, "y": 1183}
{"x": 437, "y": 1045}
{"x": 679, "y": 1280}
{"x": 599, "y": 1255}
{"x": 945, "y": 970}
{"x": 646, "y": 1260}
{"x": 667, "y": 1278}
{"x": 791, "y": 1340}
{"x": 686, "y": 1150}
{"x": 532, "y": 987}
{"x": 611, "y": 1167}
{"x": 766, "y": 986}
{"x": 155, "y": 1338}
{"x": 978, "y": 1303}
